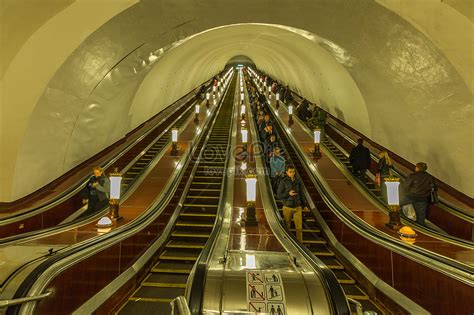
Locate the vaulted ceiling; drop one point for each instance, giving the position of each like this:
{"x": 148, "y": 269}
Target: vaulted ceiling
{"x": 78, "y": 75}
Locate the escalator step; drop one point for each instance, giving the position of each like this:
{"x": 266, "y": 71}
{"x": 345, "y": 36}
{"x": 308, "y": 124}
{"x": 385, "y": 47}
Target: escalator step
{"x": 353, "y": 291}
{"x": 313, "y": 239}
{"x": 190, "y": 234}
{"x": 145, "y": 306}
{"x": 172, "y": 267}
{"x": 198, "y": 214}
{"x": 195, "y": 224}
{"x": 331, "y": 262}
{"x": 186, "y": 244}
{"x": 321, "y": 250}
{"x": 157, "y": 293}
{"x": 176, "y": 254}
{"x": 178, "y": 278}
{"x": 343, "y": 277}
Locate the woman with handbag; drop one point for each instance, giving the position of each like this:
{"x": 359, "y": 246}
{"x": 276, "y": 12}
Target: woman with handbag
{"x": 383, "y": 171}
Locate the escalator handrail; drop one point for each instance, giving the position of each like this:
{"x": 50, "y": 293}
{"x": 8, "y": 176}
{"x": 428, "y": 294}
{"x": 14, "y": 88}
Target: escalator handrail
{"x": 445, "y": 264}
{"x": 97, "y": 244}
{"x": 329, "y": 281}
{"x": 200, "y": 272}
{"x": 80, "y": 183}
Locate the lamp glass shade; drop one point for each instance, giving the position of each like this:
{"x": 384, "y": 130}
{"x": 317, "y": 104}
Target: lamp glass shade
{"x": 290, "y": 109}
{"x": 197, "y": 108}
{"x": 115, "y": 187}
{"x": 244, "y": 135}
{"x": 242, "y": 109}
{"x": 104, "y": 222}
{"x": 241, "y": 89}
{"x": 208, "y": 96}
{"x": 242, "y": 96}
{"x": 269, "y": 89}
{"x": 278, "y": 96}
{"x": 174, "y": 135}
{"x": 393, "y": 198}
{"x": 317, "y": 136}
{"x": 251, "y": 189}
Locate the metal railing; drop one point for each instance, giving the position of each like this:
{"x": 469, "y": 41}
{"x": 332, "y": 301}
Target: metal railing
{"x": 6, "y": 303}
{"x": 179, "y": 306}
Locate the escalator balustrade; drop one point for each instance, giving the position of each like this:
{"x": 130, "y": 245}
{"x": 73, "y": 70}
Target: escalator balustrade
{"x": 167, "y": 279}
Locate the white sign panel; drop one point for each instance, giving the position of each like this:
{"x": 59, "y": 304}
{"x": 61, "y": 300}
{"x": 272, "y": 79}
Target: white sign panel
{"x": 265, "y": 293}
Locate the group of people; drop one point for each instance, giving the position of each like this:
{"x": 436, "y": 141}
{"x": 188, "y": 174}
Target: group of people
{"x": 416, "y": 189}
{"x": 287, "y": 187}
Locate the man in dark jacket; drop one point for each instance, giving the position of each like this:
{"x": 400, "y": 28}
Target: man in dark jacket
{"x": 290, "y": 192}
{"x": 303, "y": 110}
{"x": 416, "y": 189}
{"x": 360, "y": 160}
{"x": 96, "y": 192}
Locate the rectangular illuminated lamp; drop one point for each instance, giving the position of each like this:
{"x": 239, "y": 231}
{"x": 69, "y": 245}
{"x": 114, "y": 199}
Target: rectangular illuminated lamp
{"x": 317, "y": 136}
{"x": 197, "y": 109}
{"x": 251, "y": 188}
{"x": 208, "y": 96}
{"x": 242, "y": 109}
{"x": 393, "y": 198}
{"x": 290, "y": 109}
{"x": 174, "y": 135}
{"x": 278, "y": 96}
{"x": 242, "y": 96}
{"x": 115, "y": 187}
{"x": 244, "y": 135}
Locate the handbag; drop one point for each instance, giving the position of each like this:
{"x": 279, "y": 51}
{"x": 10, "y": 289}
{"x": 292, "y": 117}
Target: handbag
{"x": 433, "y": 196}
{"x": 377, "y": 179}
{"x": 409, "y": 211}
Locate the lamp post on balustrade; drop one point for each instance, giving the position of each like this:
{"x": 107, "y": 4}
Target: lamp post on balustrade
{"x": 393, "y": 201}
{"x": 251, "y": 185}
{"x": 317, "y": 140}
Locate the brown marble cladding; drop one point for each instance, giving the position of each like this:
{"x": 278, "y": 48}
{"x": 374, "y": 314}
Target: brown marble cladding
{"x": 439, "y": 293}
{"x": 436, "y": 292}
{"x": 58, "y": 213}
{"x": 81, "y": 281}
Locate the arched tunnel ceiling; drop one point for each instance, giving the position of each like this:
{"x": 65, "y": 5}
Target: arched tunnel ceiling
{"x": 366, "y": 65}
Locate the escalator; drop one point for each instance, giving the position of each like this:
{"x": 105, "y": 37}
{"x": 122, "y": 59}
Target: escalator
{"x": 312, "y": 237}
{"x": 62, "y": 214}
{"x": 316, "y": 242}
{"x": 168, "y": 277}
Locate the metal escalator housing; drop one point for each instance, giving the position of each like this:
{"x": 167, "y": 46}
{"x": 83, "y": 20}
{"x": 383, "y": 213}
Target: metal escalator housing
{"x": 194, "y": 225}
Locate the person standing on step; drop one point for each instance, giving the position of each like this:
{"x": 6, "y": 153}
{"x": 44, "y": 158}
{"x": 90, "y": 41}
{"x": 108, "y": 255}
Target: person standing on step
{"x": 290, "y": 192}
{"x": 360, "y": 160}
{"x": 96, "y": 192}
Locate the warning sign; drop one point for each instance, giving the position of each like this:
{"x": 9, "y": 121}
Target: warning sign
{"x": 265, "y": 293}
{"x": 257, "y": 307}
{"x": 276, "y": 308}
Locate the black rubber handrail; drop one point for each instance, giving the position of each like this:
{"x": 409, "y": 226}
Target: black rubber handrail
{"x": 329, "y": 281}
{"x": 200, "y": 274}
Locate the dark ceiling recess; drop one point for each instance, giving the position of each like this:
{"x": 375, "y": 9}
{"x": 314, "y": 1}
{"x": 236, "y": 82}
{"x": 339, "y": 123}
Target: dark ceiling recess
{"x": 241, "y": 60}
